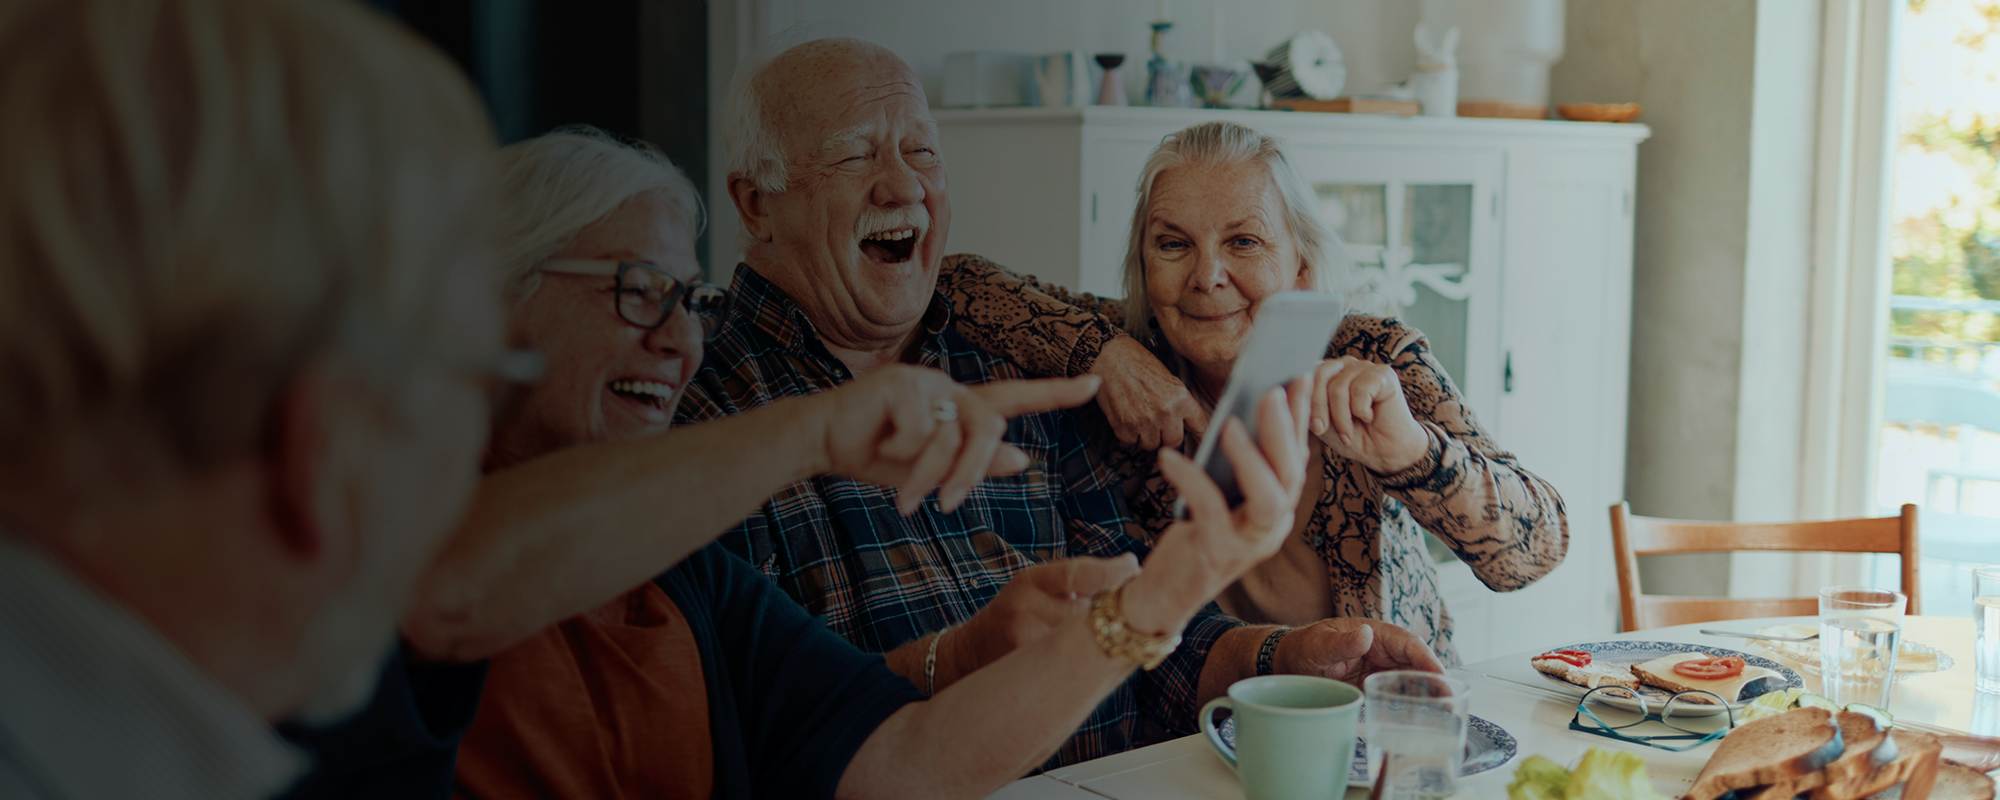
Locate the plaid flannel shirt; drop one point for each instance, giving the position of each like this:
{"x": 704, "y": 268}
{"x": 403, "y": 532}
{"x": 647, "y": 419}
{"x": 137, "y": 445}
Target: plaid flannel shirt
{"x": 839, "y": 548}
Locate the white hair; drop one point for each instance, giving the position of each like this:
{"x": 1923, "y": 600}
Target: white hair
{"x": 555, "y": 185}
{"x": 1213, "y": 144}
{"x": 199, "y": 196}
{"x": 754, "y": 150}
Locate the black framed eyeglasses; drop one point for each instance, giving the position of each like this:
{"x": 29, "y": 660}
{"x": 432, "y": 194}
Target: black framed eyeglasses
{"x": 1614, "y": 722}
{"x": 645, "y": 295}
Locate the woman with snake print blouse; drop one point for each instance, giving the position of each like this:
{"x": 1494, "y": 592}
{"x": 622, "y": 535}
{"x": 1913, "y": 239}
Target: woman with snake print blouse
{"x": 1223, "y": 222}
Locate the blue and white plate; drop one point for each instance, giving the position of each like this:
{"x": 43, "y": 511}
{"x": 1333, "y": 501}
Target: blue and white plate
{"x": 1487, "y": 746}
{"x": 1639, "y": 652}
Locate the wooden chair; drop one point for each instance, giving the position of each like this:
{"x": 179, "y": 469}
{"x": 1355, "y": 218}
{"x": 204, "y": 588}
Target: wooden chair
{"x": 1633, "y": 536}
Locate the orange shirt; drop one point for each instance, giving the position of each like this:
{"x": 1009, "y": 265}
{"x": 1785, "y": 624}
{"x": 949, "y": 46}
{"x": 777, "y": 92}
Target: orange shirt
{"x": 606, "y": 704}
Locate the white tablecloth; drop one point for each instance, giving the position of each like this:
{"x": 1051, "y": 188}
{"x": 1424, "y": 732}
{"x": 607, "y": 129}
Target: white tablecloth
{"x": 1188, "y": 768}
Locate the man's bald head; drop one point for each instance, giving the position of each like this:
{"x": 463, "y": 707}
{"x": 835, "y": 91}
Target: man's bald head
{"x": 797, "y": 89}
{"x": 837, "y": 180}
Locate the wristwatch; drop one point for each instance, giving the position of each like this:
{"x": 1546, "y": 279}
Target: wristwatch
{"x": 1119, "y": 640}
{"x": 1269, "y": 650}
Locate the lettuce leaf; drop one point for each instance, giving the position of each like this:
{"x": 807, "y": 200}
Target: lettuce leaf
{"x": 1605, "y": 775}
{"x": 1538, "y": 779}
{"x": 1600, "y": 775}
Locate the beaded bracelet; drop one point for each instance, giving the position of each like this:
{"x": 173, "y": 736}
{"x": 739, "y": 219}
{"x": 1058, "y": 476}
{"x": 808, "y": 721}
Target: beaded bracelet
{"x": 1270, "y": 649}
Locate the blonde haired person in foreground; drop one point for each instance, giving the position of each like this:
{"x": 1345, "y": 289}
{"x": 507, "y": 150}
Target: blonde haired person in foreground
{"x": 244, "y": 332}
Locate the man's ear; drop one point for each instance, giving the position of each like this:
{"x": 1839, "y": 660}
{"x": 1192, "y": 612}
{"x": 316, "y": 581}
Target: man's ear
{"x": 1304, "y": 280}
{"x": 302, "y": 462}
{"x": 751, "y": 206}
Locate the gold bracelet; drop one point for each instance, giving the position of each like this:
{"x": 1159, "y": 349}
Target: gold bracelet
{"x": 930, "y": 663}
{"x": 1117, "y": 638}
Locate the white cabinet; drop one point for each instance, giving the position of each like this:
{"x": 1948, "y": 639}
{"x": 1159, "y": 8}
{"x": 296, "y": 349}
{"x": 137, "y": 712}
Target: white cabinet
{"x": 1508, "y": 243}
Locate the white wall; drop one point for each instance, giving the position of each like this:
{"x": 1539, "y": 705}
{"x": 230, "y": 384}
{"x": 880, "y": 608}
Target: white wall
{"x": 1722, "y": 255}
{"x": 1374, "y": 36}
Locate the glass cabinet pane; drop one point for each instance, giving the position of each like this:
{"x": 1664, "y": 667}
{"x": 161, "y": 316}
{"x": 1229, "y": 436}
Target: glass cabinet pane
{"x": 1437, "y": 232}
{"x": 1358, "y": 213}
{"x": 1437, "y": 223}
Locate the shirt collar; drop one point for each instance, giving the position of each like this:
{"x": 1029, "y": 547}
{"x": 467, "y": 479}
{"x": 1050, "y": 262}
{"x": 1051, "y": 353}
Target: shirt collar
{"x": 101, "y": 705}
{"x": 760, "y": 305}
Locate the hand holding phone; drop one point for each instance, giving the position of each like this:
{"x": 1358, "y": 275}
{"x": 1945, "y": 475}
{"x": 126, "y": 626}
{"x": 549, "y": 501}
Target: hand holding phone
{"x": 1289, "y": 340}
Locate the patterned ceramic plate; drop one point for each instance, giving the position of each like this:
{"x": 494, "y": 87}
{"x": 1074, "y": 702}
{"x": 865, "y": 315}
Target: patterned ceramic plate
{"x": 1486, "y": 746}
{"x": 1911, "y": 657}
{"x": 1638, "y": 652}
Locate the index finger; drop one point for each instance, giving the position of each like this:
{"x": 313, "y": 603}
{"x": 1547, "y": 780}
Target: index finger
{"x": 1014, "y": 398}
{"x": 1300, "y": 393}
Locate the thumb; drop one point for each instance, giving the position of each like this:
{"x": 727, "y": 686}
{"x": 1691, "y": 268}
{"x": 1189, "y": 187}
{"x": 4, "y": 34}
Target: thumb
{"x": 1351, "y": 643}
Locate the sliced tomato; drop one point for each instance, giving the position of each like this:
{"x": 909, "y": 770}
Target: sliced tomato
{"x": 1710, "y": 669}
{"x": 1575, "y": 658}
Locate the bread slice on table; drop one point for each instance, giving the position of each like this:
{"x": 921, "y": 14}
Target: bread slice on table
{"x": 1960, "y": 782}
{"x": 1660, "y": 672}
{"x": 1590, "y": 677}
{"x": 1862, "y": 751}
{"x": 1770, "y": 751}
{"x": 1913, "y": 771}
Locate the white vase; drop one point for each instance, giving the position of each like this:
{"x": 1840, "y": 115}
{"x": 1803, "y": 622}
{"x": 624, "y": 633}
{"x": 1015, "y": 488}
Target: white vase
{"x": 1436, "y": 91}
{"x": 1508, "y": 48}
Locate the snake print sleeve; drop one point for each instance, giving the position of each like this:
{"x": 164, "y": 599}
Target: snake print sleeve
{"x": 1505, "y": 522}
{"x": 1047, "y": 329}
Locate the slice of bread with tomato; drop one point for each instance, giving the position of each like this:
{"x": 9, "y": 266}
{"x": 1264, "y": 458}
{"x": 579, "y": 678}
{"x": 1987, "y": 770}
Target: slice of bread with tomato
{"x": 1578, "y": 667}
{"x": 1686, "y": 672}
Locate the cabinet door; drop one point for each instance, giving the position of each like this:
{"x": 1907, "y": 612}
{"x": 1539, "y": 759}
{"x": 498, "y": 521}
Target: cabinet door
{"x": 1422, "y": 244}
{"x": 1569, "y": 235}
{"x": 1111, "y": 164}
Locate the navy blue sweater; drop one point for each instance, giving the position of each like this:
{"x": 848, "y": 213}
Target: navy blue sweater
{"x": 789, "y": 702}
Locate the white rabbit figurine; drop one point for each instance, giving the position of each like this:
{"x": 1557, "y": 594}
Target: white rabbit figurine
{"x": 1435, "y": 83}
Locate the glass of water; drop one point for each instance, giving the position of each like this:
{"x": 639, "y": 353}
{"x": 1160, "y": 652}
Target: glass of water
{"x": 1986, "y": 627}
{"x": 1859, "y": 631}
{"x": 1414, "y": 724}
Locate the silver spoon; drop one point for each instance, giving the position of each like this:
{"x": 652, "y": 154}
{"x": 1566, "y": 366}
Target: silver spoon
{"x": 1764, "y": 636}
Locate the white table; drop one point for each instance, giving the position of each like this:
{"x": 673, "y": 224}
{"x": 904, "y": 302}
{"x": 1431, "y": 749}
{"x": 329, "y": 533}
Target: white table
{"x": 1188, "y": 768}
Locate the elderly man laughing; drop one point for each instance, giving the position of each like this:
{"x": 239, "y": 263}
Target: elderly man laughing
{"x": 842, "y": 193}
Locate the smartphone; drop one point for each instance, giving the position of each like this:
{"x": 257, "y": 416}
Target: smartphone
{"x": 1289, "y": 340}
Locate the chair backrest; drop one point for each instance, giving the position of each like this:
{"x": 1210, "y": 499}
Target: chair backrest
{"x": 1633, "y": 536}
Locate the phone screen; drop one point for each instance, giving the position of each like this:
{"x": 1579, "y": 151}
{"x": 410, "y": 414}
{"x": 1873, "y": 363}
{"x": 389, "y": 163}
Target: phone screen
{"x": 1290, "y": 338}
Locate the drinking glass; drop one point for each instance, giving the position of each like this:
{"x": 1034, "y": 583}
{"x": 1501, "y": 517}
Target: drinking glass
{"x": 1859, "y": 631}
{"x": 1985, "y": 714}
{"x": 1986, "y": 627}
{"x": 1414, "y": 724}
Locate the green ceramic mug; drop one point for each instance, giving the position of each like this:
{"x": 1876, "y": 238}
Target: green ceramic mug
{"x": 1294, "y": 735}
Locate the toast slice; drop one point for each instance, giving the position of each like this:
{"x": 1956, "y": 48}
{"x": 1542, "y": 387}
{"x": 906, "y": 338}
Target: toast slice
{"x": 1862, "y": 752}
{"x": 1772, "y": 751}
{"x": 1913, "y": 771}
{"x": 1960, "y": 782}
{"x": 1659, "y": 672}
{"x": 1590, "y": 677}
{"x": 1865, "y": 740}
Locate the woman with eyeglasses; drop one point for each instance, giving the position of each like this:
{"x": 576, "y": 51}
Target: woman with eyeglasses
{"x": 629, "y": 657}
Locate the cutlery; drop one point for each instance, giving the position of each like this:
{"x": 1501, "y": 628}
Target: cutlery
{"x": 1978, "y": 752}
{"x": 1750, "y": 691}
{"x": 1544, "y": 691}
{"x": 1766, "y": 637}
{"x": 1381, "y": 779}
